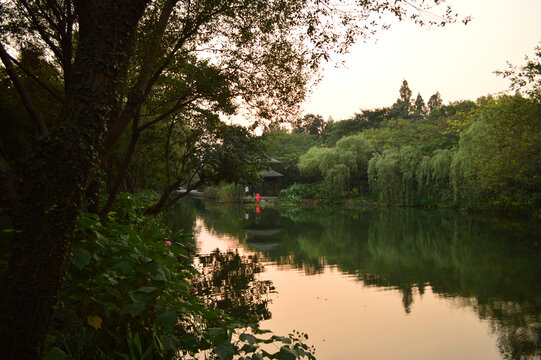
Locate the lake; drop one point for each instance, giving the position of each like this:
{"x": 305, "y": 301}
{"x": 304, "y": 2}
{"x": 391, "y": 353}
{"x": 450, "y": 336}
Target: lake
{"x": 376, "y": 283}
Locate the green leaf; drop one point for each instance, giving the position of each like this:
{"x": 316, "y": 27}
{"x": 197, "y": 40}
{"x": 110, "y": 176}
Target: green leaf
{"x": 134, "y": 309}
{"x": 158, "y": 272}
{"x": 283, "y": 339}
{"x": 215, "y": 332}
{"x": 257, "y": 357}
{"x": 111, "y": 279}
{"x": 80, "y": 258}
{"x": 167, "y": 319}
{"x": 287, "y": 353}
{"x": 249, "y": 338}
{"x": 170, "y": 343}
{"x": 147, "y": 289}
{"x": 124, "y": 267}
{"x": 225, "y": 351}
{"x": 55, "y": 353}
{"x": 249, "y": 348}
{"x": 135, "y": 347}
{"x": 102, "y": 240}
{"x": 190, "y": 341}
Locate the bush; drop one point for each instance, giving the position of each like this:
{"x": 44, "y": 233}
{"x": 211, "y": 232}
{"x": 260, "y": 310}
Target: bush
{"x": 211, "y": 192}
{"x": 298, "y": 192}
{"x": 230, "y": 193}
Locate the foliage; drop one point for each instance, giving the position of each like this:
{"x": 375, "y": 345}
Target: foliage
{"x": 407, "y": 178}
{"x": 340, "y": 165}
{"x": 496, "y": 162}
{"x": 336, "y": 180}
{"x": 499, "y": 155}
{"x": 225, "y": 192}
{"x": 366, "y": 119}
{"x": 297, "y": 192}
{"x": 230, "y": 193}
{"x": 434, "y": 179}
{"x": 211, "y": 192}
{"x": 287, "y": 149}
{"x": 419, "y": 107}
{"x": 129, "y": 295}
{"x": 455, "y": 118}
{"x": 310, "y": 124}
{"x": 403, "y": 105}
{"x": 400, "y": 132}
{"x": 435, "y": 101}
{"x": 384, "y": 177}
{"x": 526, "y": 78}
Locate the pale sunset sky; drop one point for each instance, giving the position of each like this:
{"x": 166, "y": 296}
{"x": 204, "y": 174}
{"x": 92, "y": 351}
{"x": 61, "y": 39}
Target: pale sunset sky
{"x": 456, "y": 60}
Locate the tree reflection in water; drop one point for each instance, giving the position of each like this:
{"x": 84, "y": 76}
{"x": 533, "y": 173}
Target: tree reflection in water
{"x": 484, "y": 265}
{"x": 227, "y": 281}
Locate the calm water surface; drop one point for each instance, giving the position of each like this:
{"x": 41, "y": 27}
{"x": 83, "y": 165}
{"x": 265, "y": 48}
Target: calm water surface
{"x": 374, "y": 284}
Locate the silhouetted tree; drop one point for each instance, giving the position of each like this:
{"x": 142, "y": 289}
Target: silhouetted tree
{"x": 435, "y": 101}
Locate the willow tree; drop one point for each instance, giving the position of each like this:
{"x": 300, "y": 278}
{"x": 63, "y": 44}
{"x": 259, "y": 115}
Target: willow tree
{"x": 341, "y": 166}
{"x": 109, "y": 55}
{"x": 433, "y": 177}
{"x": 393, "y": 175}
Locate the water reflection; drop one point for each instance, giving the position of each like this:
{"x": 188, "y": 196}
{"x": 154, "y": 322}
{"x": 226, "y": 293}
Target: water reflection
{"x": 491, "y": 268}
{"x": 227, "y": 282}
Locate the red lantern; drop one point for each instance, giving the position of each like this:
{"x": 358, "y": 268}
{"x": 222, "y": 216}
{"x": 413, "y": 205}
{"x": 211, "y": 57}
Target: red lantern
{"x": 257, "y": 197}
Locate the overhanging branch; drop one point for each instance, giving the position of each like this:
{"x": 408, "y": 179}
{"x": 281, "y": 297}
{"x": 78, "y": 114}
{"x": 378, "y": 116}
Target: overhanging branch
{"x": 23, "y": 93}
{"x": 36, "y": 79}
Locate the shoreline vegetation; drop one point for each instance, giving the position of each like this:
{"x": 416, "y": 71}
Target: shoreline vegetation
{"x": 478, "y": 157}
{"x": 129, "y": 294}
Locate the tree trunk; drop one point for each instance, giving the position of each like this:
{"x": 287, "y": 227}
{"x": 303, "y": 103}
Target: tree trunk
{"x": 52, "y": 183}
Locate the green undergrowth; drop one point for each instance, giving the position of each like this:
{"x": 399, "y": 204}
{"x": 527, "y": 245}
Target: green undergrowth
{"x": 128, "y": 295}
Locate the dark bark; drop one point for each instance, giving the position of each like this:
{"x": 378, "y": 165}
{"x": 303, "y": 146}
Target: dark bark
{"x": 52, "y": 183}
{"x": 167, "y": 199}
{"x": 92, "y": 196}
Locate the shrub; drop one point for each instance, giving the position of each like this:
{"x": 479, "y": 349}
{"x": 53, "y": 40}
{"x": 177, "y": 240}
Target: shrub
{"x": 211, "y": 192}
{"x": 230, "y": 193}
{"x": 297, "y": 192}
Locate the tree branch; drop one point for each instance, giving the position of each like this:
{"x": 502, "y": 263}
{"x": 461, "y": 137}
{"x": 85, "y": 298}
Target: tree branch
{"x": 140, "y": 89}
{"x": 36, "y": 79}
{"x": 45, "y": 36}
{"x": 27, "y": 101}
{"x": 179, "y": 105}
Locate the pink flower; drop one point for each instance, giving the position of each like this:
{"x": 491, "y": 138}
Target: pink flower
{"x": 168, "y": 243}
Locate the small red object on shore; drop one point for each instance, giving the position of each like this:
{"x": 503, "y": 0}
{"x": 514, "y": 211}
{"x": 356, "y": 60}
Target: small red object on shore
{"x": 257, "y": 197}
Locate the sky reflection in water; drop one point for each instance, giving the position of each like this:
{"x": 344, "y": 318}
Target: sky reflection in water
{"x": 378, "y": 284}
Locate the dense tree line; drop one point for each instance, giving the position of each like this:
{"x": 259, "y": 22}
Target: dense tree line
{"x": 482, "y": 154}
